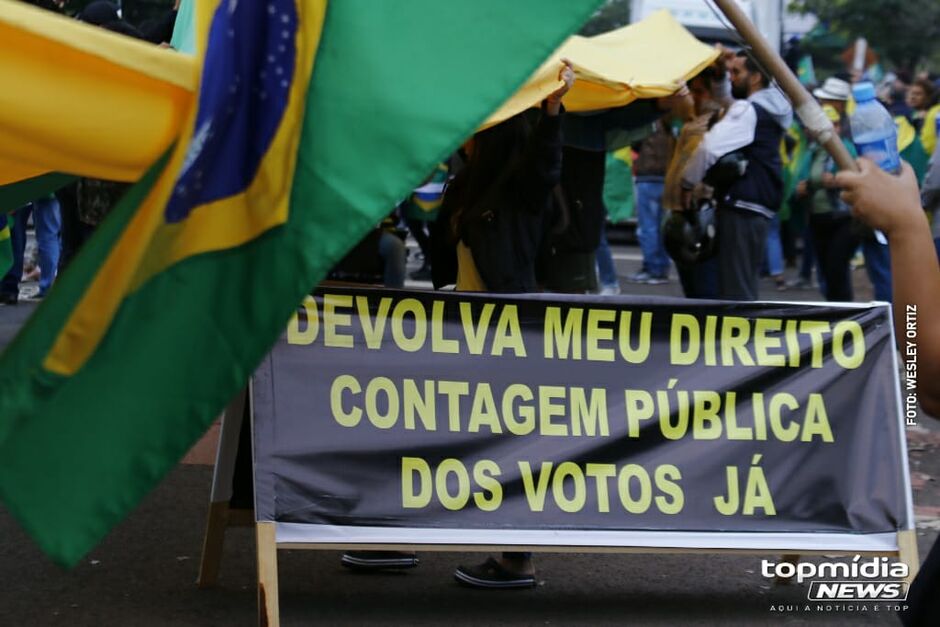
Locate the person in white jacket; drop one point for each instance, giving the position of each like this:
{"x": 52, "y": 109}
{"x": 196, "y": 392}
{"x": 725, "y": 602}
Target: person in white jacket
{"x": 748, "y": 198}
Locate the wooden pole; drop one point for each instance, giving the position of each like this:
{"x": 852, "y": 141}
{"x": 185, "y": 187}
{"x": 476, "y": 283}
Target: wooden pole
{"x": 269, "y": 613}
{"x": 804, "y": 104}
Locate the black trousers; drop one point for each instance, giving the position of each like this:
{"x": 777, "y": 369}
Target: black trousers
{"x": 835, "y": 241}
{"x": 742, "y": 246}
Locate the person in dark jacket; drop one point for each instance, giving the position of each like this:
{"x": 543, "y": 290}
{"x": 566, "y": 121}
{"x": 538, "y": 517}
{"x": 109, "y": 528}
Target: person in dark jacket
{"x": 495, "y": 210}
{"x": 503, "y": 199}
{"x": 498, "y": 205}
{"x": 752, "y": 128}
{"x": 834, "y": 233}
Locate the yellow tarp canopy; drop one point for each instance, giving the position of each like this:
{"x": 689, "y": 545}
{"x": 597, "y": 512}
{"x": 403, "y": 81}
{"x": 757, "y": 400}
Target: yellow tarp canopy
{"x": 82, "y": 100}
{"x": 642, "y": 60}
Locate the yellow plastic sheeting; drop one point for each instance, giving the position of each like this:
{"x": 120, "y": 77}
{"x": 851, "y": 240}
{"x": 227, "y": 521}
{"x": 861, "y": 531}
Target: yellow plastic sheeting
{"x": 82, "y": 100}
{"x": 642, "y": 60}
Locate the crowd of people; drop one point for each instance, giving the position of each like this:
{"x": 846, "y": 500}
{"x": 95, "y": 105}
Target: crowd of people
{"x": 724, "y": 154}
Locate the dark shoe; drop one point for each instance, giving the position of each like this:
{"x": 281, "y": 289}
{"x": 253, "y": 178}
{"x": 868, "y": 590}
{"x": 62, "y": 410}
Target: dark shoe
{"x": 657, "y": 279}
{"x": 9, "y": 298}
{"x": 378, "y": 560}
{"x": 491, "y": 574}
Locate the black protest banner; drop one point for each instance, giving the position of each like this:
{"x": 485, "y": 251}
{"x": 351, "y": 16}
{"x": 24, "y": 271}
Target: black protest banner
{"x": 465, "y": 418}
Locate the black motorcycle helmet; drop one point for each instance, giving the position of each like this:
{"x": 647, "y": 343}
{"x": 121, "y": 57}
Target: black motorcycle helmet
{"x": 690, "y": 236}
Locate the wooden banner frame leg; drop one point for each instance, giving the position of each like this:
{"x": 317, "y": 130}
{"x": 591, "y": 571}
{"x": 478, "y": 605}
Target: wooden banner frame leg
{"x": 907, "y": 553}
{"x": 212, "y": 543}
{"x": 268, "y": 605}
{"x": 218, "y": 517}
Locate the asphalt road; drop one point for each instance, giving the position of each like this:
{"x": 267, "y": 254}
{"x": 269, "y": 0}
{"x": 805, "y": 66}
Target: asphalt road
{"x": 143, "y": 573}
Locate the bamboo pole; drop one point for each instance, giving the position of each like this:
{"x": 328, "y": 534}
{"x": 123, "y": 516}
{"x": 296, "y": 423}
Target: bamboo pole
{"x": 806, "y": 107}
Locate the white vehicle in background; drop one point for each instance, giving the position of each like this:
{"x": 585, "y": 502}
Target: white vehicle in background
{"x": 704, "y": 20}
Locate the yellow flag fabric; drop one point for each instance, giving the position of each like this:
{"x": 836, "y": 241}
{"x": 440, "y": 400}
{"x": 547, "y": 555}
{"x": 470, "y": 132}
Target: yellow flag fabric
{"x": 928, "y": 133}
{"x": 83, "y": 100}
{"x": 906, "y": 133}
{"x": 156, "y": 238}
{"x": 642, "y": 60}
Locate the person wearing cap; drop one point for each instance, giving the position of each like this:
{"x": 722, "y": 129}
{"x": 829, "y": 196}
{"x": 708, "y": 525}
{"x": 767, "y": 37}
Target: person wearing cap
{"x": 834, "y": 236}
{"x": 834, "y": 92}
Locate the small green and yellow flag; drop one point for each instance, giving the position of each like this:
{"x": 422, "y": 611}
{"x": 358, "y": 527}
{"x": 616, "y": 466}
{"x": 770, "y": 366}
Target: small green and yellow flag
{"x": 312, "y": 119}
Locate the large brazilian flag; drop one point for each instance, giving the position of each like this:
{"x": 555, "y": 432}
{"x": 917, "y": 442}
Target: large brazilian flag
{"x": 312, "y": 119}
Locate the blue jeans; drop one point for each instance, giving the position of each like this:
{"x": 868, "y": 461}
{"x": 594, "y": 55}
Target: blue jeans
{"x": 48, "y": 223}
{"x": 774, "y": 248}
{"x": 606, "y": 269}
{"x": 878, "y": 267}
{"x": 649, "y": 213}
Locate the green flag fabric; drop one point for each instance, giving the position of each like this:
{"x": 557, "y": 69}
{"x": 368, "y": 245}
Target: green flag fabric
{"x": 99, "y": 399}
{"x": 15, "y": 195}
{"x": 619, "y": 193}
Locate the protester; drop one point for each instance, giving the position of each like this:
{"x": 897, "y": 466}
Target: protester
{"x": 506, "y": 164}
{"x": 751, "y": 132}
{"x": 919, "y": 98}
{"x": 654, "y": 154}
{"x": 834, "y": 92}
{"x": 699, "y": 280}
{"x": 499, "y": 203}
{"x": 568, "y": 261}
{"x": 834, "y": 234}
{"x": 497, "y": 210}
{"x": 892, "y": 204}
{"x": 47, "y": 221}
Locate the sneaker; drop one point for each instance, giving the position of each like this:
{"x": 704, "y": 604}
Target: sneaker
{"x": 640, "y": 277}
{"x": 491, "y": 575}
{"x": 800, "y": 283}
{"x": 9, "y": 298}
{"x": 656, "y": 279}
{"x": 378, "y": 560}
{"x": 610, "y": 290}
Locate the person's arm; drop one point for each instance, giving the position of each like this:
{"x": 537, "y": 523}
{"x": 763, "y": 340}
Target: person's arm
{"x": 541, "y": 168}
{"x": 566, "y": 76}
{"x": 891, "y": 204}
